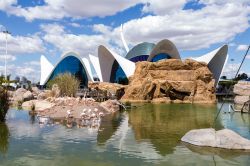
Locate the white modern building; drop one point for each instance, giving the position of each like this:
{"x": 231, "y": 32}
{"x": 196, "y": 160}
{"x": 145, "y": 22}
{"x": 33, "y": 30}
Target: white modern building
{"x": 111, "y": 67}
{"x": 70, "y": 62}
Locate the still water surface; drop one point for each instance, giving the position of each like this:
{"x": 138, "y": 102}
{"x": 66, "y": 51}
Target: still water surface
{"x": 147, "y": 135}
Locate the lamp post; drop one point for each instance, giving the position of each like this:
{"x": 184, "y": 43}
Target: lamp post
{"x": 6, "y": 32}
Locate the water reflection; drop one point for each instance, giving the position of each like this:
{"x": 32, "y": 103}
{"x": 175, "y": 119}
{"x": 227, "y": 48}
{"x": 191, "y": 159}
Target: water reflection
{"x": 223, "y": 153}
{"x": 4, "y": 138}
{"x": 164, "y": 125}
{"x": 108, "y": 126}
{"x": 147, "y": 135}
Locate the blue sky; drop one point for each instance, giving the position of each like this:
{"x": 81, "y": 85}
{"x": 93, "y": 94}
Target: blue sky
{"x": 54, "y": 27}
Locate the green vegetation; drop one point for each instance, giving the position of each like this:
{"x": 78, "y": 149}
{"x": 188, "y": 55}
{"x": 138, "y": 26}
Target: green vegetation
{"x": 67, "y": 83}
{"x": 4, "y": 102}
{"x": 4, "y": 138}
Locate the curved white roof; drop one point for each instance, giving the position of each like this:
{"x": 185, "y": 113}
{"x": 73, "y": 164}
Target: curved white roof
{"x": 216, "y": 61}
{"x": 107, "y": 58}
{"x": 167, "y": 47}
{"x": 47, "y": 68}
{"x": 96, "y": 64}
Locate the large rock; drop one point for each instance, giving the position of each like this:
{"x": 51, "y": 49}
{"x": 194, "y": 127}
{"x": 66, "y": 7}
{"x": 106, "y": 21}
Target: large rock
{"x": 110, "y": 105}
{"x": 29, "y": 105}
{"x": 242, "y": 88}
{"x": 18, "y": 95}
{"x": 44, "y": 95}
{"x": 43, "y": 104}
{"x": 27, "y": 96}
{"x": 112, "y": 88}
{"x": 186, "y": 81}
{"x": 241, "y": 99}
{"x": 225, "y": 138}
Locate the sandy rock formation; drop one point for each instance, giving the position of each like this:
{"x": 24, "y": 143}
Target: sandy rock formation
{"x": 27, "y": 96}
{"x": 242, "y": 91}
{"x": 42, "y": 105}
{"x": 225, "y": 138}
{"x": 113, "y": 88}
{"x": 171, "y": 80}
{"x": 18, "y": 95}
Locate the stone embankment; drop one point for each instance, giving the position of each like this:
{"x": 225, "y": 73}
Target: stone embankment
{"x": 242, "y": 94}
{"x": 225, "y": 138}
{"x": 171, "y": 81}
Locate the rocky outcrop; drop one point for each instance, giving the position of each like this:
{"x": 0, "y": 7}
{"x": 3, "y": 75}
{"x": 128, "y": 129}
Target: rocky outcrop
{"x": 171, "y": 80}
{"x": 111, "y": 88}
{"x": 225, "y": 138}
{"x": 18, "y": 95}
{"x": 111, "y": 105}
{"x": 27, "y": 96}
{"x": 43, "y": 104}
{"x": 242, "y": 91}
{"x": 37, "y": 105}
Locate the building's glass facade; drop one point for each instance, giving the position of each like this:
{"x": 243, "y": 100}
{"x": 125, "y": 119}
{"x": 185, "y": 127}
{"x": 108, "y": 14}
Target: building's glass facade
{"x": 141, "y": 49}
{"x": 118, "y": 75}
{"x": 74, "y": 66}
{"x": 160, "y": 57}
{"x": 139, "y": 58}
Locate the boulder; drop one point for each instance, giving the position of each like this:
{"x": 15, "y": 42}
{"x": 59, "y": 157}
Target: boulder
{"x": 242, "y": 88}
{"x": 111, "y": 106}
{"x": 225, "y": 138}
{"x": 241, "y": 99}
{"x": 18, "y": 95}
{"x": 107, "y": 87}
{"x": 27, "y": 96}
{"x": 35, "y": 90}
{"x": 44, "y": 95}
{"x": 186, "y": 81}
{"x": 43, "y": 104}
{"x": 29, "y": 105}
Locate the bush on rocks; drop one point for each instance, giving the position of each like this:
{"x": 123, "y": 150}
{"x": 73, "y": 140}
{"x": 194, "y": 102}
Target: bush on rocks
{"x": 67, "y": 84}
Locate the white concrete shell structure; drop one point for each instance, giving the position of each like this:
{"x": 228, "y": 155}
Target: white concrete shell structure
{"x": 107, "y": 59}
{"x": 96, "y": 64}
{"x": 216, "y": 61}
{"x": 47, "y": 68}
{"x": 165, "y": 47}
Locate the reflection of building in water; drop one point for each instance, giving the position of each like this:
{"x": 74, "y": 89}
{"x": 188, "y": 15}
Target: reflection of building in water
{"x": 108, "y": 126}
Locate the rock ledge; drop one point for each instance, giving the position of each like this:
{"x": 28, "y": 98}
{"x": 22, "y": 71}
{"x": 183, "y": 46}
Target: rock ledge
{"x": 225, "y": 138}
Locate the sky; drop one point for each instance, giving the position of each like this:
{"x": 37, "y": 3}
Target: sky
{"x": 54, "y": 27}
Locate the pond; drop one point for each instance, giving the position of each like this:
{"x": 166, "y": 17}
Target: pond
{"x": 146, "y": 135}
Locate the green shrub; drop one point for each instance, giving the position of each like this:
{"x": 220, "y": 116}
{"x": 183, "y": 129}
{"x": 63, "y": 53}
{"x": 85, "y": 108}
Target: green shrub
{"x": 4, "y": 138}
{"x": 67, "y": 83}
{"x": 4, "y": 103}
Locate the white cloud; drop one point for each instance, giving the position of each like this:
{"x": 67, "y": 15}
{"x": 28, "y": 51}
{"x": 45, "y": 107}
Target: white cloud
{"x": 76, "y": 25}
{"x": 21, "y": 44}
{"x": 30, "y": 72}
{"x": 33, "y": 63}
{"x": 162, "y": 7}
{"x": 191, "y": 29}
{"x": 230, "y": 69}
{"x": 58, "y": 9}
{"x": 8, "y": 58}
{"x": 65, "y": 42}
{"x": 242, "y": 47}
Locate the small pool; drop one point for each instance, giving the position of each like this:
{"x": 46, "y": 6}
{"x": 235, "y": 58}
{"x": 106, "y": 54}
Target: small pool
{"x": 146, "y": 135}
